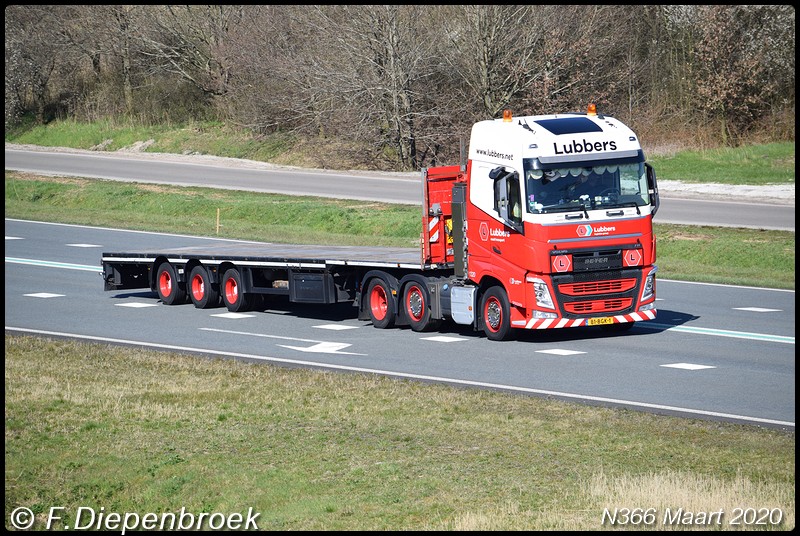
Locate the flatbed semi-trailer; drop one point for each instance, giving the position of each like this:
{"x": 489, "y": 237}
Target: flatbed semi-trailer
{"x": 237, "y": 274}
{"x": 548, "y": 224}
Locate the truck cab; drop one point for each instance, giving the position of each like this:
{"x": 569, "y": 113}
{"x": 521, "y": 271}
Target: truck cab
{"x": 558, "y": 226}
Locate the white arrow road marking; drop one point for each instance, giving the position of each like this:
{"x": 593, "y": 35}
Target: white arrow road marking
{"x": 442, "y": 338}
{"x": 322, "y": 347}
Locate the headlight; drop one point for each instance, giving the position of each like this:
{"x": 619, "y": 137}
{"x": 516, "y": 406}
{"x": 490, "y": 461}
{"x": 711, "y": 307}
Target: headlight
{"x": 543, "y": 298}
{"x": 648, "y": 292}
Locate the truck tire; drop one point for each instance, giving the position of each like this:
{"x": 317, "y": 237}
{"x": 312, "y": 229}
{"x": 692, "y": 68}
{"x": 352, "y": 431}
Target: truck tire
{"x": 380, "y": 304}
{"x": 232, "y": 292}
{"x": 201, "y": 291}
{"x": 416, "y": 304}
{"x": 169, "y": 290}
{"x": 496, "y": 314}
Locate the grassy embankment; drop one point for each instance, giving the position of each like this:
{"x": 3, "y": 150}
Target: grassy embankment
{"x": 133, "y": 430}
{"x": 138, "y": 431}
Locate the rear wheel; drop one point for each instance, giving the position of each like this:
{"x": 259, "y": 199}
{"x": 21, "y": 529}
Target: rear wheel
{"x": 233, "y": 295}
{"x": 169, "y": 290}
{"x": 416, "y": 302}
{"x": 496, "y": 314}
{"x": 201, "y": 291}
{"x": 380, "y": 304}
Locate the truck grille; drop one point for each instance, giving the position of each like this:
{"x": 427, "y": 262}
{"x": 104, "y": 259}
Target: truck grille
{"x": 598, "y": 306}
{"x": 601, "y": 293}
{"x": 597, "y": 287}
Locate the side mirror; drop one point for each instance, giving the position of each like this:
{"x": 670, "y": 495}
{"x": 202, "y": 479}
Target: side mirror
{"x": 497, "y": 172}
{"x": 652, "y": 187}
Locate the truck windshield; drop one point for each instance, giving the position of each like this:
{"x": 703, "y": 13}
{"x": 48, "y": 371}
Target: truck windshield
{"x": 585, "y": 188}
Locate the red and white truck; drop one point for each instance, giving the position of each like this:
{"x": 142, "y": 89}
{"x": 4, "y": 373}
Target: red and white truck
{"x": 547, "y": 225}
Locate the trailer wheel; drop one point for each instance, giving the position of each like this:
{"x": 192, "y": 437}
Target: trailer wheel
{"x": 496, "y": 314}
{"x": 201, "y": 291}
{"x": 232, "y": 292}
{"x": 169, "y": 290}
{"x": 380, "y": 304}
{"x": 416, "y": 301}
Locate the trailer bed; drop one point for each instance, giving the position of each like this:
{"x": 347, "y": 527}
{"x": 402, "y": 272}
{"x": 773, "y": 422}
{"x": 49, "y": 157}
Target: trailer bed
{"x": 280, "y": 255}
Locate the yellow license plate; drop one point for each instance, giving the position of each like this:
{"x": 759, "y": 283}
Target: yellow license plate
{"x": 601, "y": 321}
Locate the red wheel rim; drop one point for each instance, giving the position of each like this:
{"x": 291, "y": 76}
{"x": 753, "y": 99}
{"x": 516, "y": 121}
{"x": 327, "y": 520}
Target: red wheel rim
{"x": 198, "y": 287}
{"x": 165, "y": 283}
{"x": 415, "y": 303}
{"x": 493, "y": 314}
{"x": 378, "y": 302}
{"x": 231, "y": 290}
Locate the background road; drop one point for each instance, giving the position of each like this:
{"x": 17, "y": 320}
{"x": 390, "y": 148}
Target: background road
{"x": 713, "y": 352}
{"x": 735, "y": 211}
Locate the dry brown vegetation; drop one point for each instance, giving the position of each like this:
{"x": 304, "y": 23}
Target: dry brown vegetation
{"x": 397, "y": 86}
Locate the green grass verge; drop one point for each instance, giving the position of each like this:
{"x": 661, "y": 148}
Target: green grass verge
{"x": 685, "y": 252}
{"x": 756, "y": 165}
{"x": 129, "y": 430}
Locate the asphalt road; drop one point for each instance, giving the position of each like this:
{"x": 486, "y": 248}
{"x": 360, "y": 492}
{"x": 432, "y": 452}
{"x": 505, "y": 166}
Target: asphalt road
{"x": 714, "y": 352}
{"x": 390, "y": 188}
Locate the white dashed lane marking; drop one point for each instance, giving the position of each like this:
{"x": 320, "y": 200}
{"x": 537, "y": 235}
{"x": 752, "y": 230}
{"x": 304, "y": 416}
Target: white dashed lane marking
{"x": 335, "y": 327}
{"x": 45, "y": 295}
{"x": 136, "y": 305}
{"x": 757, "y": 309}
{"x": 558, "y": 351}
{"x": 688, "y": 366}
{"x": 233, "y": 315}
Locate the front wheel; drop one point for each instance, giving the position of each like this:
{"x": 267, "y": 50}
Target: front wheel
{"x": 416, "y": 301}
{"x": 496, "y": 314}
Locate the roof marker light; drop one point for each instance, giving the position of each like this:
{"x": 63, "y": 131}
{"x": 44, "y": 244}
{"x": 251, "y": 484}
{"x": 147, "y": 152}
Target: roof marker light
{"x": 506, "y": 116}
{"x": 591, "y": 109}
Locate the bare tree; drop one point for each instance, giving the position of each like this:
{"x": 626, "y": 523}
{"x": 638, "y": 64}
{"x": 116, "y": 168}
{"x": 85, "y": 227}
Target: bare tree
{"x": 32, "y": 58}
{"x": 741, "y": 50}
{"x": 372, "y": 66}
{"x": 494, "y": 50}
{"x": 400, "y": 85}
{"x": 195, "y": 43}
